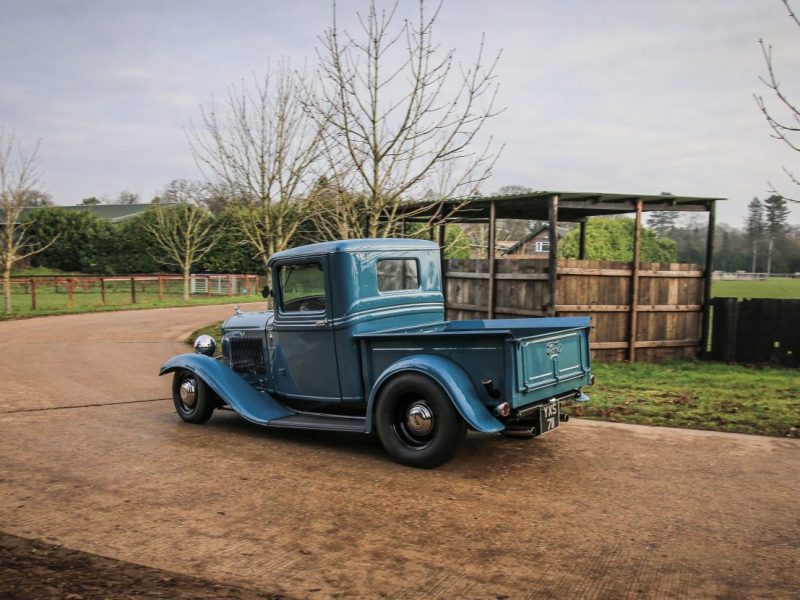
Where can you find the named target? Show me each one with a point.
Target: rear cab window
(397, 274)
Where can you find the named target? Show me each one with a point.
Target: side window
(302, 287)
(396, 274)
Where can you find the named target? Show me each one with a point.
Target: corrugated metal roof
(572, 206)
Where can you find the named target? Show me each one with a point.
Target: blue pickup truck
(358, 342)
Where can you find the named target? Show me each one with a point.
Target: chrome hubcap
(419, 419)
(188, 392)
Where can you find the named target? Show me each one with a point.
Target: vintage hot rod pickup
(358, 342)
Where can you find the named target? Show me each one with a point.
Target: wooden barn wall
(669, 311)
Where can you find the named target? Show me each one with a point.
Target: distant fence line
(60, 291)
(748, 275)
(761, 330)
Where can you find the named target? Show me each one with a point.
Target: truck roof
(360, 245)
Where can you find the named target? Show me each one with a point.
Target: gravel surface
(94, 459)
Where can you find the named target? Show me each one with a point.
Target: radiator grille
(247, 355)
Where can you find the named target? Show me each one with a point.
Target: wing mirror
(266, 292)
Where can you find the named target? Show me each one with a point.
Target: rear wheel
(417, 423)
(194, 401)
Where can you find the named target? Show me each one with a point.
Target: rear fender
(253, 405)
(452, 379)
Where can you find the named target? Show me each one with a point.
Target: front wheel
(417, 423)
(193, 399)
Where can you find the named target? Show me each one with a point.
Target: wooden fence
(761, 330)
(48, 293)
(665, 323)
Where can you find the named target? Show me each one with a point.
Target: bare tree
(125, 197)
(18, 178)
(784, 117)
(184, 191)
(184, 234)
(398, 113)
(262, 147)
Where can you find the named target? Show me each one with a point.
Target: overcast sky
(613, 96)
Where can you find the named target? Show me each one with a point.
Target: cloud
(613, 96)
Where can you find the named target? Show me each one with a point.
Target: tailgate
(547, 360)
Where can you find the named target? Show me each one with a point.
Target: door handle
(322, 323)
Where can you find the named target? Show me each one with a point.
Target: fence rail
(54, 292)
(664, 321)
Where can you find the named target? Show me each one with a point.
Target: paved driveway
(92, 456)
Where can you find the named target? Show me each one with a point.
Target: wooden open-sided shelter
(649, 311)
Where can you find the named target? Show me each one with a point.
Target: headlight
(205, 344)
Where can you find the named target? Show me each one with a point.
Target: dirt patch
(31, 569)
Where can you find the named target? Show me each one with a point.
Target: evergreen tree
(776, 213)
(754, 223)
(662, 222)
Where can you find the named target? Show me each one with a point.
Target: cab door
(301, 339)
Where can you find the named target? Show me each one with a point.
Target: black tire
(192, 408)
(416, 440)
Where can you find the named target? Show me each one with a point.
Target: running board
(324, 422)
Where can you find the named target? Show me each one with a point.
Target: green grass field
(52, 300)
(697, 395)
(776, 287)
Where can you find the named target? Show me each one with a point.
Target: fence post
(69, 292)
(208, 286)
(103, 290)
(160, 288)
(133, 290)
(33, 294)
(230, 285)
(256, 288)
(633, 321)
(707, 273)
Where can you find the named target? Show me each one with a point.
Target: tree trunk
(755, 257)
(186, 278)
(769, 256)
(7, 290)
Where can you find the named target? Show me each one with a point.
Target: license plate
(549, 417)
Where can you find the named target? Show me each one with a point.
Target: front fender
(255, 406)
(453, 380)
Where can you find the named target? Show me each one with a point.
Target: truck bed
(526, 360)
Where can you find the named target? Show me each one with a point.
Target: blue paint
(343, 349)
(452, 379)
(255, 406)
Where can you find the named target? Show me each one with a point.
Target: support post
(160, 287)
(103, 290)
(709, 269)
(133, 291)
(69, 292)
(208, 286)
(33, 294)
(637, 253)
(582, 241)
(442, 264)
(552, 263)
(491, 257)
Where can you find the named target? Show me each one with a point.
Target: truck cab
(358, 341)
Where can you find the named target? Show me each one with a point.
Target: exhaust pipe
(520, 431)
